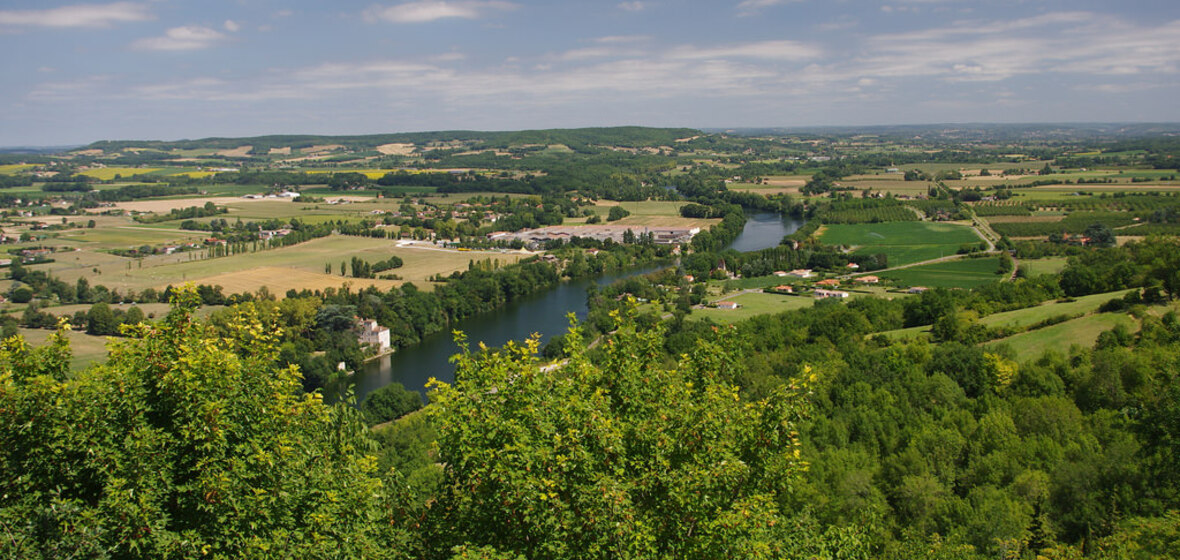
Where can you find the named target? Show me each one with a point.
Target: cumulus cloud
(78, 15)
(431, 10)
(186, 38)
(232, 26)
(633, 6)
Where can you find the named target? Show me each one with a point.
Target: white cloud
(432, 10)
(633, 6)
(186, 38)
(751, 7)
(231, 26)
(769, 50)
(79, 15)
(617, 39)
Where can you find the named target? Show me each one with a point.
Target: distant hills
(984, 132)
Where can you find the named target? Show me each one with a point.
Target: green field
(1021, 318)
(1050, 265)
(964, 273)
(1082, 331)
(751, 305)
(903, 242)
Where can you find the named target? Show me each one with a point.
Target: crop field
(130, 236)
(108, 173)
(1000, 208)
(869, 215)
(296, 267)
(15, 168)
(1082, 331)
(903, 242)
(963, 273)
(1074, 223)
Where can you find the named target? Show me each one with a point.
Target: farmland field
(15, 168)
(903, 242)
(963, 273)
(297, 267)
(108, 173)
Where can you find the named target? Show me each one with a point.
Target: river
(543, 313)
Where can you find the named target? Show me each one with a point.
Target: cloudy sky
(165, 69)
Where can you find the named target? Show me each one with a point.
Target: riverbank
(544, 313)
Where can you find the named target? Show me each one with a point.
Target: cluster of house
(536, 237)
(267, 234)
(284, 194)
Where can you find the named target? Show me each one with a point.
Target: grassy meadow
(753, 304)
(1082, 331)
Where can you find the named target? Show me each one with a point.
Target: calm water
(543, 313)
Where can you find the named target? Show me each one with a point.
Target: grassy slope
(1082, 331)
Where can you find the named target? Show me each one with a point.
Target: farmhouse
(785, 289)
(369, 332)
(727, 305)
(830, 282)
(801, 273)
(867, 279)
(825, 294)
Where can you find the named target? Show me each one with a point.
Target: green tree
(626, 459)
(389, 402)
(100, 320)
(617, 213)
(186, 444)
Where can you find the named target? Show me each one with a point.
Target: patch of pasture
(1049, 265)
(1082, 331)
(751, 305)
(85, 349)
(1029, 316)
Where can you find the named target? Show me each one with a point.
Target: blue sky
(165, 69)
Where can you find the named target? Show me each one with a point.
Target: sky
(73, 73)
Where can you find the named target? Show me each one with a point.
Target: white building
(369, 332)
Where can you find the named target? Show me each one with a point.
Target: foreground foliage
(184, 445)
(624, 459)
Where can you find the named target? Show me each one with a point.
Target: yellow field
(15, 168)
(108, 173)
(297, 267)
(197, 174)
(370, 173)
